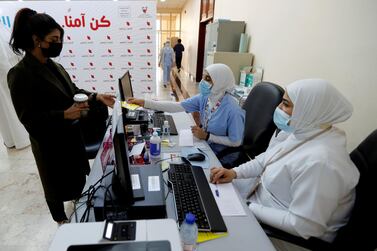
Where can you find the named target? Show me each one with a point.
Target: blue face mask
(205, 87)
(281, 120)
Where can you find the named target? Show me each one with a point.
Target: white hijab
(316, 104)
(223, 81)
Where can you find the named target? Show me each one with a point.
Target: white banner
(102, 40)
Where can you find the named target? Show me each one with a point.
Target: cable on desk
(75, 210)
(167, 194)
(104, 202)
(200, 150)
(89, 203)
(160, 160)
(103, 176)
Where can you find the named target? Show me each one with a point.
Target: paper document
(227, 200)
(137, 149)
(169, 158)
(186, 138)
(129, 106)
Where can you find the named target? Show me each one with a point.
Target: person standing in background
(11, 129)
(179, 49)
(166, 62)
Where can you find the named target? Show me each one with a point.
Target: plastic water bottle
(189, 233)
(155, 146)
(166, 130)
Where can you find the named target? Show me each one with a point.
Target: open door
(207, 10)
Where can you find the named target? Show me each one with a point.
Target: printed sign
(102, 40)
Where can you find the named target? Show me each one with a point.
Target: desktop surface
(243, 231)
(92, 233)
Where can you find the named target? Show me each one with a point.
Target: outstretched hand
(106, 99)
(136, 101)
(221, 175)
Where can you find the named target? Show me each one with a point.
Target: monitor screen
(121, 183)
(125, 87)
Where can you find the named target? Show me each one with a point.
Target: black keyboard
(158, 121)
(193, 194)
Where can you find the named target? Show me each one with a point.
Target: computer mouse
(196, 157)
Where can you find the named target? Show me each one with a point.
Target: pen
(217, 191)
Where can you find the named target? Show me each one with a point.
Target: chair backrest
(360, 231)
(259, 125)
(93, 128)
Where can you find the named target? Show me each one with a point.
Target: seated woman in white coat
(222, 119)
(306, 177)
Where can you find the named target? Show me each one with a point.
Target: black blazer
(40, 99)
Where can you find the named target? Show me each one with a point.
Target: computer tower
(107, 205)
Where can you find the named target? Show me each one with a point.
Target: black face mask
(53, 50)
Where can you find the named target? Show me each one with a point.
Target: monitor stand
(151, 207)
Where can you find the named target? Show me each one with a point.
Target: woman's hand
(198, 132)
(135, 101)
(221, 175)
(106, 99)
(73, 112)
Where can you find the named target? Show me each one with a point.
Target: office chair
(93, 128)
(259, 125)
(357, 233)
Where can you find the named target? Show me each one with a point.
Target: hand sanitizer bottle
(166, 130)
(155, 146)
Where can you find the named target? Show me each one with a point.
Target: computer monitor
(125, 87)
(126, 180)
(121, 182)
(136, 190)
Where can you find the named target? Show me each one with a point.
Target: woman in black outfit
(42, 94)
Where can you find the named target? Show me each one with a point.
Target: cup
(81, 101)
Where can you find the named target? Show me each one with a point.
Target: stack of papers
(186, 138)
(227, 200)
(129, 106)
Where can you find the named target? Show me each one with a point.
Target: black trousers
(178, 61)
(57, 210)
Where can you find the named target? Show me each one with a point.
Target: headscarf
(317, 104)
(223, 81)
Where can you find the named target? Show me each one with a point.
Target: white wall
(334, 40)
(190, 31)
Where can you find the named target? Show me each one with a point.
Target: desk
(91, 232)
(244, 232)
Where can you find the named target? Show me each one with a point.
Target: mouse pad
(188, 150)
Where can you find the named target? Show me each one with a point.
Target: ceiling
(171, 4)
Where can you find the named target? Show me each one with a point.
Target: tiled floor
(26, 224)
